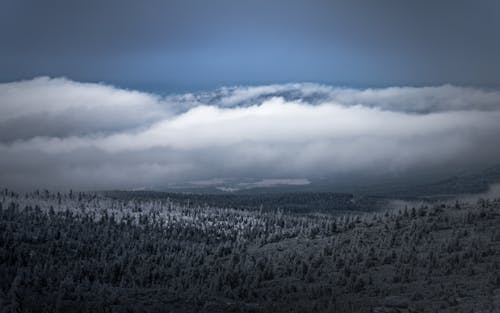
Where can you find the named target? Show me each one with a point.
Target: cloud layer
(58, 133)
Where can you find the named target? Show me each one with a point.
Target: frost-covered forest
(82, 252)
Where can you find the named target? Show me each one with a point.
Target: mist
(59, 134)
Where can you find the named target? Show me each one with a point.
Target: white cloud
(60, 107)
(120, 138)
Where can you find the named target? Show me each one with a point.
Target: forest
(293, 202)
(92, 252)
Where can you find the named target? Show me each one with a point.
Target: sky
(190, 45)
(145, 94)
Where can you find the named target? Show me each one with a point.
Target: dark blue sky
(186, 45)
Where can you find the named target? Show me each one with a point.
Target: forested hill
(88, 253)
(467, 183)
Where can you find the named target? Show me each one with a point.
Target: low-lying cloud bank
(58, 133)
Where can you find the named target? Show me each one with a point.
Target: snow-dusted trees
(90, 253)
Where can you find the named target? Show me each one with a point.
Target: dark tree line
(296, 202)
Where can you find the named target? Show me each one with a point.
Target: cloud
(58, 133)
(61, 107)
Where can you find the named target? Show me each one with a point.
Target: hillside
(90, 253)
(470, 183)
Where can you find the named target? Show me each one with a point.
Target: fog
(58, 133)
